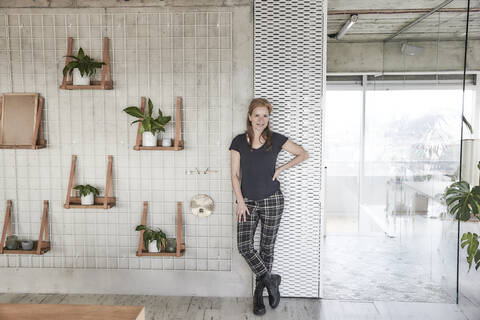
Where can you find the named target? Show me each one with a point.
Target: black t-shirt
(257, 166)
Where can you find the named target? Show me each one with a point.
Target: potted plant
(150, 125)
(153, 239)
(464, 203)
(82, 67)
(87, 194)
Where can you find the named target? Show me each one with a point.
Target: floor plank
(420, 310)
(213, 308)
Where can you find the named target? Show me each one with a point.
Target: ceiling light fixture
(350, 22)
(409, 50)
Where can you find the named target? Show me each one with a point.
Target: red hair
(267, 133)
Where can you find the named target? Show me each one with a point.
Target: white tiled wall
(159, 55)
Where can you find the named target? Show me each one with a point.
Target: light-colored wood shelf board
(94, 84)
(158, 148)
(160, 254)
(17, 146)
(45, 248)
(75, 202)
(164, 254)
(70, 312)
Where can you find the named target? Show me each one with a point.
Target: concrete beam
(120, 3)
(37, 3)
(379, 57)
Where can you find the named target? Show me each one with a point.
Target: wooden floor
(200, 308)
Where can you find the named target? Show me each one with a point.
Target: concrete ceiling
(379, 19)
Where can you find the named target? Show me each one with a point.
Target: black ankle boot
(272, 282)
(271, 301)
(258, 305)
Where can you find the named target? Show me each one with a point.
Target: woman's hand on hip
(242, 212)
(277, 173)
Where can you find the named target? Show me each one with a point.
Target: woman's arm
(235, 175)
(300, 155)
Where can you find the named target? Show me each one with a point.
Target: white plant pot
(149, 139)
(87, 200)
(152, 246)
(78, 80)
(166, 142)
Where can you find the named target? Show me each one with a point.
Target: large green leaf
(164, 120)
(147, 125)
(81, 190)
(81, 54)
(150, 107)
(461, 201)
(134, 112)
(156, 125)
(470, 240)
(140, 227)
(69, 67)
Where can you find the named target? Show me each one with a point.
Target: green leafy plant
(470, 240)
(464, 203)
(84, 64)
(152, 234)
(149, 123)
(86, 189)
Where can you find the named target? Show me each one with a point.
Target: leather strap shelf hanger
(180, 245)
(105, 83)
(105, 202)
(21, 121)
(177, 142)
(39, 247)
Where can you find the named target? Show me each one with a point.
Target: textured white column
(289, 50)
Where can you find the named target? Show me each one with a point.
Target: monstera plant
(463, 202)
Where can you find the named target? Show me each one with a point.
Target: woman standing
(257, 191)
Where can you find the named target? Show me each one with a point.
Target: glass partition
(392, 145)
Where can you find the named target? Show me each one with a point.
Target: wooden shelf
(159, 148)
(38, 141)
(75, 202)
(105, 83)
(94, 84)
(177, 142)
(105, 202)
(39, 247)
(45, 248)
(180, 245)
(22, 146)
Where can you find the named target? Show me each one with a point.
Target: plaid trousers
(269, 212)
